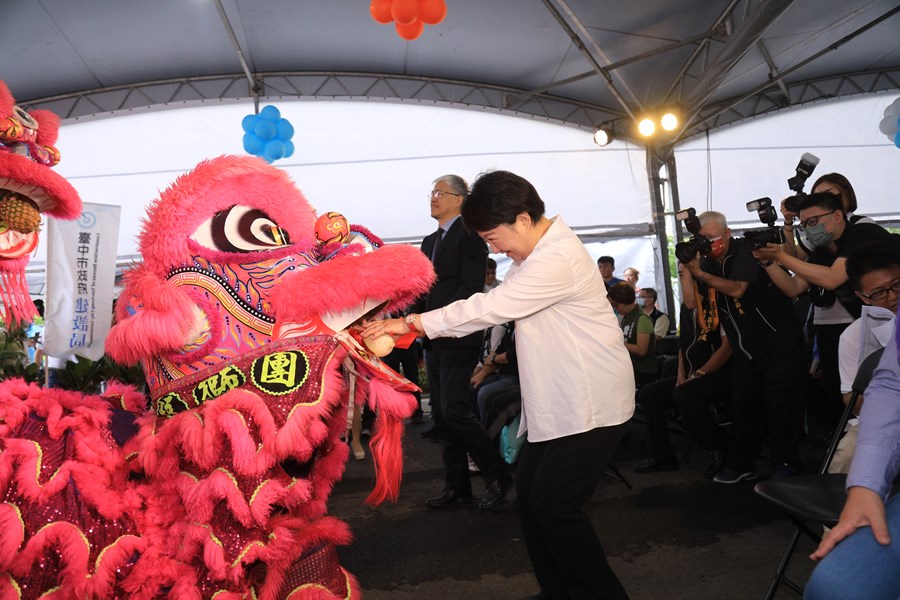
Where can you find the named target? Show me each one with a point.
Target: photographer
(834, 183)
(832, 237)
(768, 363)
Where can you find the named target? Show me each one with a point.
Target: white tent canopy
(738, 164)
(375, 162)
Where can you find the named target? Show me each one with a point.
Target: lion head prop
(28, 187)
(238, 315)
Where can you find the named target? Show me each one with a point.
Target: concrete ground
(674, 536)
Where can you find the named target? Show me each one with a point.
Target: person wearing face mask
(768, 363)
(646, 299)
(832, 238)
(834, 183)
(874, 273)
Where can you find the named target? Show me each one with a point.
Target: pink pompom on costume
(238, 316)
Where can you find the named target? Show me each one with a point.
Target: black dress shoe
(714, 462)
(448, 499)
(652, 465)
(494, 494)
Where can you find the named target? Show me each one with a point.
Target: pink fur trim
(12, 536)
(397, 273)
(7, 102)
(66, 539)
(59, 198)
(386, 444)
(125, 396)
(216, 185)
(48, 130)
(159, 326)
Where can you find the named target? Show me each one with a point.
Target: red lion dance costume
(238, 316)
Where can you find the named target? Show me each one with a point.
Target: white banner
(81, 271)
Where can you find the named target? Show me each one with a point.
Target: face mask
(818, 236)
(641, 302)
(717, 248)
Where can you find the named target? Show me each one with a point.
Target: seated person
(703, 379)
(483, 372)
(640, 339)
(646, 299)
(874, 274)
(504, 375)
(490, 276)
(859, 557)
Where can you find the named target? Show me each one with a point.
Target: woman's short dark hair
(622, 293)
(838, 180)
(497, 198)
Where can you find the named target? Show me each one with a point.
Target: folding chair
(818, 499)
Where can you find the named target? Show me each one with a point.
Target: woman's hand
(372, 329)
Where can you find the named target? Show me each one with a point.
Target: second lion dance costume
(238, 315)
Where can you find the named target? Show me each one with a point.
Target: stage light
(647, 127)
(603, 136)
(669, 121)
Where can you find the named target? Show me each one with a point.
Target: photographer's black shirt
(763, 318)
(855, 236)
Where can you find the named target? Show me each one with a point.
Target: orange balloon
(381, 11)
(405, 12)
(432, 12)
(411, 31)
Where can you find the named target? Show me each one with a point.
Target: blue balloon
(264, 130)
(275, 149)
(270, 113)
(288, 148)
(284, 130)
(253, 145)
(897, 139)
(249, 123)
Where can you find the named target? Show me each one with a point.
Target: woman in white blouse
(576, 377)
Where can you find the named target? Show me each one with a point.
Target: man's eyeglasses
(813, 220)
(438, 194)
(881, 293)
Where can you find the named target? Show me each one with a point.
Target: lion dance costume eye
(238, 315)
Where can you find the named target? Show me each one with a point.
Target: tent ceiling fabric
(577, 62)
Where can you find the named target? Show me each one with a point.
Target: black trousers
(449, 371)
(553, 480)
(693, 399)
(767, 397)
(408, 359)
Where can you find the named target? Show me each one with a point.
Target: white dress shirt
(574, 370)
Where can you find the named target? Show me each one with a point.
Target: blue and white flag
(81, 272)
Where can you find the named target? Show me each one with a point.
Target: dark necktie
(437, 243)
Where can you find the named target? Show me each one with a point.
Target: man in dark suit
(460, 261)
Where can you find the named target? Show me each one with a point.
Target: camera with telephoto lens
(807, 164)
(758, 238)
(686, 250)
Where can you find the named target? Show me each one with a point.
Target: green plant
(14, 358)
(85, 375)
(81, 375)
